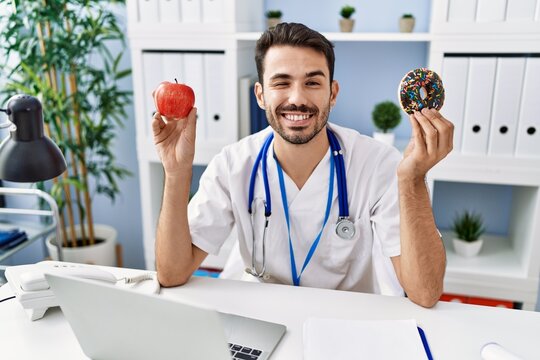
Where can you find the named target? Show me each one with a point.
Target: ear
(334, 88)
(258, 89)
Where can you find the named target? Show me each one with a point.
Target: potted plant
(468, 227)
(406, 23)
(273, 17)
(386, 116)
(346, 24)
(58, 51)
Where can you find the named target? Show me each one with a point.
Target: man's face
(297, 95)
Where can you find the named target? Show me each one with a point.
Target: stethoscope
(344, 227)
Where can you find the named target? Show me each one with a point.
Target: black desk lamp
(27, 155)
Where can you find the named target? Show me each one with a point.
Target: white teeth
(296, 117)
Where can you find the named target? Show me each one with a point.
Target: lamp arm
(54, 213)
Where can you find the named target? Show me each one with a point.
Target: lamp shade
(27, 155)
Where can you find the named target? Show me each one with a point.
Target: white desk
(454, 331)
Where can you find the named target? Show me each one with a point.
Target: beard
(297, 135)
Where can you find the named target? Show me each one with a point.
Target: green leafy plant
(407, 16)
(274, 14)
(347, 11)
(468, 226)
(57, 51)
(386, 116)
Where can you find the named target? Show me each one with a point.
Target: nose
(298, 95)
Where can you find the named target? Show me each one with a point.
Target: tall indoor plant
(57, 50)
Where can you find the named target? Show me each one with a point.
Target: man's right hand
(175, 141)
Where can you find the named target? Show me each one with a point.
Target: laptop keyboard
(240, 352)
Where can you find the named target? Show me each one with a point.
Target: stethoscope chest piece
(345, 229)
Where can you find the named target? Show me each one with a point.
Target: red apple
(174, 100)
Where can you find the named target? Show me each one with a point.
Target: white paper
(367, 339)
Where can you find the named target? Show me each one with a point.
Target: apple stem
(176, 80)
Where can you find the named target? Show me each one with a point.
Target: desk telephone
(33, 292)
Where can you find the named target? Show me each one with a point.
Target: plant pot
(387, 138)
(466, 248)
(406, 25)
(103, 253)
(346, 25)
(272, 22)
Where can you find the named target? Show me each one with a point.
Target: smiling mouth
(297, 117)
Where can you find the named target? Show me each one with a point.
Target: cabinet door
(504, 120)
(148, 11)
(152, 76)
(462, 11)
(173, 67)
(454, 76)
(478, 105)
(528, 137)
(520, 10)
(194, 77)
(191, 11)
(491, 10)
(169, 11)
(218, 128)
(213, 11)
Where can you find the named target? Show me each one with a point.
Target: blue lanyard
(295, 276)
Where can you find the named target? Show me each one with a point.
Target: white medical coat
(359, 264)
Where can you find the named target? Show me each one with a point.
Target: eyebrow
(287, 76)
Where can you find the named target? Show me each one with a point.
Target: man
(388, 201)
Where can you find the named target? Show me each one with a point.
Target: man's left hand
(431, 140)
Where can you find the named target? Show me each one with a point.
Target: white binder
(148, 11)
(213, 11)
(218, 128)
(462, 11)
(173, 67)
(520, 10)
(191, 11)
(454, 77)
(478, 105)
(152, 70)
(491, 10)
(506, 102)
(169, 11)
(194, 77)
(528, 137)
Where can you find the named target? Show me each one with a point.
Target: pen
(425, 343)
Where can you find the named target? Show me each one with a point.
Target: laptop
(113, 322)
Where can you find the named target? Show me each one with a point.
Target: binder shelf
(508, 265)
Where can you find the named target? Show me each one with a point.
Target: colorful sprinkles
(421, 88)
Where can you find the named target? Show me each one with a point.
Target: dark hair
(297, 35)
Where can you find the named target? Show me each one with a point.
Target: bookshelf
(509, 266)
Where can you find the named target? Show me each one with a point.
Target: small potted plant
(273, 17)
(468, 227)
(406, 23)
(346, 24)
(386, 116)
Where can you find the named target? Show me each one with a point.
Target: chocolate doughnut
(421, 88)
